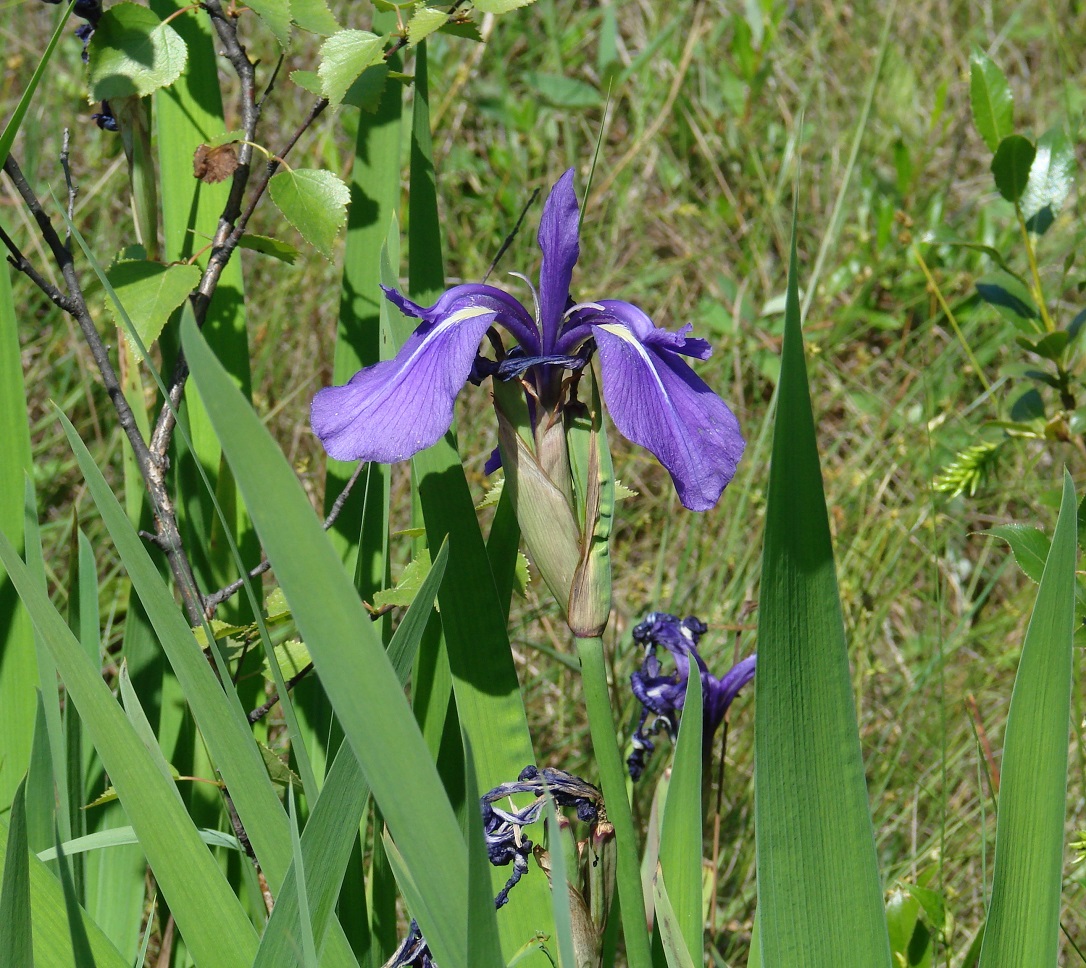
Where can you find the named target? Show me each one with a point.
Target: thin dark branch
(225, 244)
(512, 235)
(215, 599)
(151, 469)
(23, 265)
(261, 711)
(72, 190)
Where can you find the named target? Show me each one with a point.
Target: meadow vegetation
(710, 118)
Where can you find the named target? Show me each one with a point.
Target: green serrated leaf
(493, 495)
(344, 56)
(109, 794)
(149, 292)
(1011, 165)
(265, 245)
(468, 29)
(276, 16)
(424, 21)
(991, 98)
(407, 587)
(1029, 546)
(1050, 179)
(314, 202)
(522, 575)
(292, 657)
(220, 629)
(132, 53)
(275, 605)
(500, 6)
(308, 81)
(314, 16)
(281, 774)
(624, 493)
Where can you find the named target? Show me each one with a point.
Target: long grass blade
(18, 659)
(681, 829)
(333, 825)
(16, 930)
(52, 939)
(348, 656)
(818, 881)
(1024, 916)
(215, 928)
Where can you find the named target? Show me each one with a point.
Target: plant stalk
(613, 780)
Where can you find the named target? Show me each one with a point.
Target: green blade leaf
(20, 666)
(681, 830)
(1011, 165)
(133, 53)
(991, 98)
(332, 827)
(348, 656)
(1023, 918)
(16, 931)
(149, 292)
(52, 938)
(344, 56)
(818, 880)
(215, 927)
(314, 202)
(674, 943)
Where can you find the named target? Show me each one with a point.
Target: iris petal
(507, 310)
(657, 401)
(558, 238)
(394, 409)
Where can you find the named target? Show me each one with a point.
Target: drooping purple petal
(558, 238)
(657, 401)
(720, 693)
(506, 310)
(394, 409)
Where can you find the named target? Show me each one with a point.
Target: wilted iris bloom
(662, 695)
(506, 842)
(394, 409)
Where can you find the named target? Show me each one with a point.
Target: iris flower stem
(613, 779)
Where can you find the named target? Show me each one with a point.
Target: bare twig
(152, 468)
(262, 710)
(512, 235)
(215, 599)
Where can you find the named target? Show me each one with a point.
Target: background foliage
(711, 110)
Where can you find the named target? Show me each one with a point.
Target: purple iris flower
(393, 409)
(662, 696)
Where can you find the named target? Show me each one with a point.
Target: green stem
(1035, 272)
(613, 780)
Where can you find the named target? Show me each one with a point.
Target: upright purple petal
(394, 409)
(507, 311)
(659, 403)
(558, 238)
